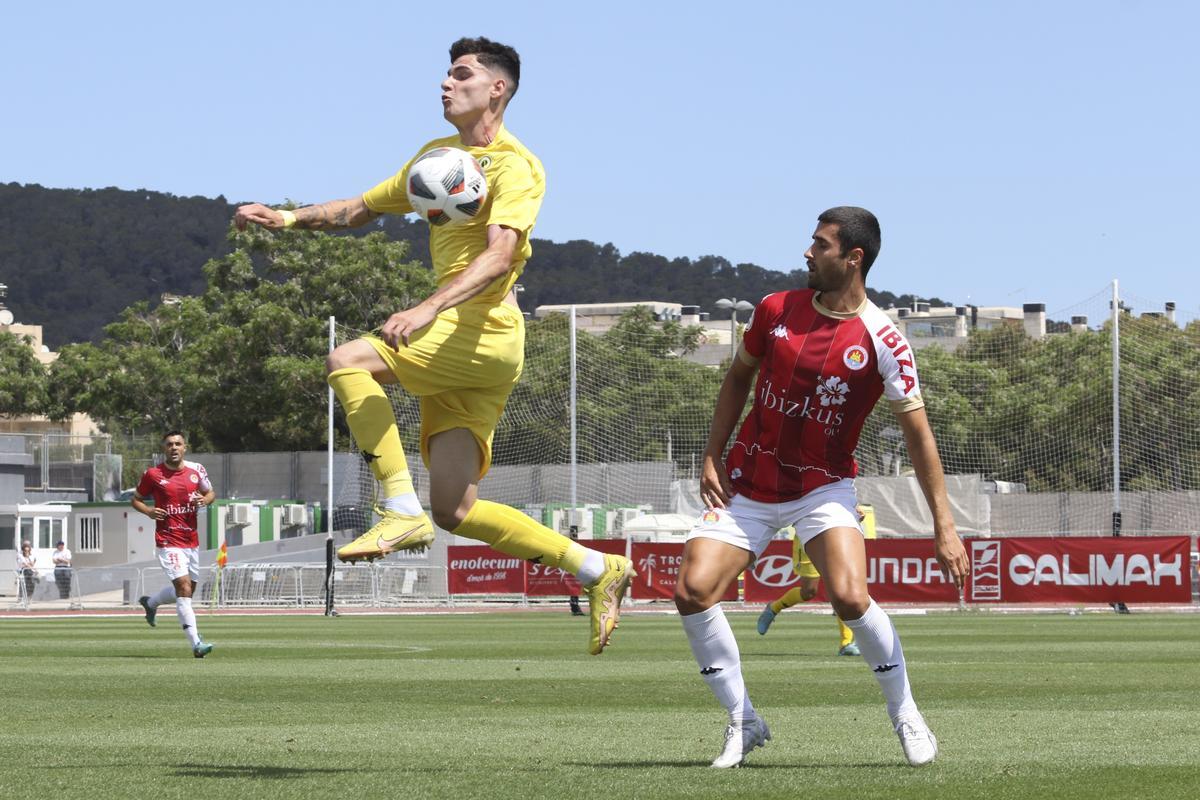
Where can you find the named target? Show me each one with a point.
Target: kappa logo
(779, 332)
(886, 667)
(777, 571)
(832, 391)
(855, 357)
(163, 481)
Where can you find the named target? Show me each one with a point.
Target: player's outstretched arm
(349, 213)
(715, 490)
(489, 265)
(922, 451)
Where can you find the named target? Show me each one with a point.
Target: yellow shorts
(463, 367)
(803, 566)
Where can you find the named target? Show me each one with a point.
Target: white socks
(165, 595)
(187, 619)
(716, 652)
(403, 504)
(880, 645)
(593, 565)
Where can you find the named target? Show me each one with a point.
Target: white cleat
(919, 743)
(740, 740)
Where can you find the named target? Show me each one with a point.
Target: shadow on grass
(751, 765)
(249, 771)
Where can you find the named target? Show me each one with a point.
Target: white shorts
(179, 561)
(751, 525)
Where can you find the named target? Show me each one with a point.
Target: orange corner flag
(222, 556)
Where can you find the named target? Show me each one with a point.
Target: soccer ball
(446, 185)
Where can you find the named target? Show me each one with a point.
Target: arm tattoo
(334, 214)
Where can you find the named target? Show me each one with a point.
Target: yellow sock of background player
(789, 599)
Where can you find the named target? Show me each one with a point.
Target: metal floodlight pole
(1118, 606)
(329, 573)
(1116, 409)
(329, 445)
(573, 415)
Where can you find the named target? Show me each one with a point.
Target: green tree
(241, 367)
(23, 380)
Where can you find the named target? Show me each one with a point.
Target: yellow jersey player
(461, 349)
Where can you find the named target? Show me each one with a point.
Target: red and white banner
(543, 581)
(478, 569)
(1129, 569)
(1142, 569)
(1101, 569)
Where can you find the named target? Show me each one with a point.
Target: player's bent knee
(692, 600)
(850, 603)
(338, 359)
(445, 519)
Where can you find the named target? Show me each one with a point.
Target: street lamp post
(734, 306)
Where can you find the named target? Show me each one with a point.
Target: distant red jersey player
(178, 488)
(823, 357)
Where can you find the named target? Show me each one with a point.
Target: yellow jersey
(516, 183)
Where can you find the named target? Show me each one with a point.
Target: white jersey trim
(894, 357)
(205, 485)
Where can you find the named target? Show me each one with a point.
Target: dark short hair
(169, 434)
(857, 227)
(492, 55)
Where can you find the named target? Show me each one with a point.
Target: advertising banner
(1099, 569)
(478, 569)
(1094, 569)
(543, 581)
(1102, 569)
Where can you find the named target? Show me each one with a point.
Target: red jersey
(820, 374)
(175, 490)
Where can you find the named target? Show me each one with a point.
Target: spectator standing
(62, 569)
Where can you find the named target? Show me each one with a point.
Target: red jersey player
(823, 357)
(178, 488)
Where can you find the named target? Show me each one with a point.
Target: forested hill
(73, 259)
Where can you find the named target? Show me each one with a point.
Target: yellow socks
(787, 601)
(847, 634)
(373, 423)
(511, 532)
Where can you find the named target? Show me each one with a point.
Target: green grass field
(501, 706)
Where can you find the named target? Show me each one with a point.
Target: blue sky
(1014, 151)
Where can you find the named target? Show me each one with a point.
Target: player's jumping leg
(454, 465)
(404, 525)
(708, 567)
